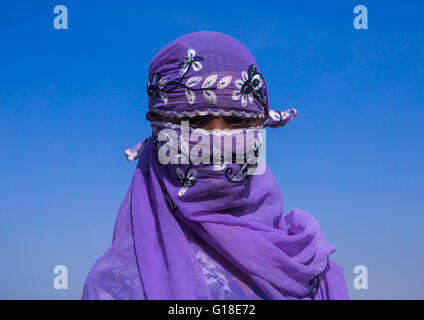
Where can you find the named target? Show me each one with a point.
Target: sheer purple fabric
(153, 257)
(200, 231)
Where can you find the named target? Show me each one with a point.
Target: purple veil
(239, 216)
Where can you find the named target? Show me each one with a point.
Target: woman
(190, 230)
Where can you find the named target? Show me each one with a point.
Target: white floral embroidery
(188, 180)
(209, 95)
(197, 65)
(193, 81)
(189, 94)
(163, 95)
(224, 82)
(209, 81)
(237, 94)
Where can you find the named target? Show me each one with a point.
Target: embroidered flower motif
(206, 87)
(163, 95)
(224, 82)
(190, 61)
(209, 95)
(246, 170)
(243, 174)
(191, 82)
(187, 180)
(250, 86)
(155, 86)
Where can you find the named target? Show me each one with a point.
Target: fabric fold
(282, 256)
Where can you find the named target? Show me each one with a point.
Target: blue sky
(72, 100)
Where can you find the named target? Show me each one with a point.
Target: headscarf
(239, 214)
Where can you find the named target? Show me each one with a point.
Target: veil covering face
(175, 216)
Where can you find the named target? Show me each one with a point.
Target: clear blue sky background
(72, 100)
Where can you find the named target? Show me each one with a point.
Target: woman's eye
(198, 122)
(236, 122)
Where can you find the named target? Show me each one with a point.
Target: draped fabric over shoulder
(211, 231)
